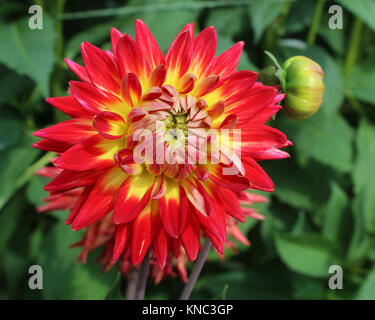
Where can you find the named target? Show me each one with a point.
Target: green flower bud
(304, 87)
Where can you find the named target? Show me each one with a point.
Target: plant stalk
(354, 42)
(132, 284)
(198, 266)
(142, 278)
(315, 22)
(152, 8)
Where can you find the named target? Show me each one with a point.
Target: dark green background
(323, 209)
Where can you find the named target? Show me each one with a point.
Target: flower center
(177, 121)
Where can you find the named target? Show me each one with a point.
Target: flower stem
(185, 295)
(142, 278)
(315, 23)
(132, 284)
(353, 52)
(153, 8)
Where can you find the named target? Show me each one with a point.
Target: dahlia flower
(162, 146)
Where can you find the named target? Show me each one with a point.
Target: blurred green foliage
(323, 209)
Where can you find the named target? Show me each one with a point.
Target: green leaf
(9, 219)
(298, 186)
(361, 82)
(27, 51)
(309, 254)
(306, 287)
(334, 213)
(15, 266)
(364, 9)
(265, 282)
(58, 260)
(11, 84)
(227, 21)
(114, 292)
(299, 16)
(35, 192)
(88, 282)
(13, 163)
(262, 14)
(367, 290)
(325, 139)
(10, 130)
(364, 174)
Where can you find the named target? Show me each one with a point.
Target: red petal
(160, 246)
(91, 98)
(179, 55)
(190, 236)
(152, 94)
(148, 46)
(94, 153)
(206, 85)
(70, 132)
(131, 89)
(68, 105)
(217, 109)
(101, 199)
(110, 125)
(229, 122)
(101, 68)
(136, 114)
(197, 197)
(129, 57)
(133, 197)
(121, 238)
(186, 83)
(145, 228)
(204, 49)
(80, 202)
(257, 138)
(257, 176)
(158, 75)
(231, 182)
(67, 180)
(271, 154)
(227, 62)
(51, 145)
(252, 104)
(78, 70)
(116, 35)
(171, 213)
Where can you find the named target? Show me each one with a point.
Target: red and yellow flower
(123, 98)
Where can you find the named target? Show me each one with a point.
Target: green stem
(198, 266)
(25, 177)
(353, 50)
(315, 23)
(59, 9)
(152, 8)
